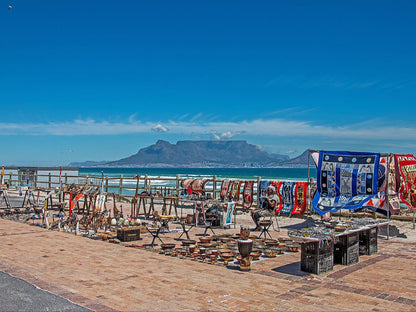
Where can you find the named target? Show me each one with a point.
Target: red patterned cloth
(301, 192)
(198, 186)
(294, 199)
(407, 169)
(248, 194)
(234, 194)
(224, 189)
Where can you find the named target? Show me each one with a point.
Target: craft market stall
(336, 242)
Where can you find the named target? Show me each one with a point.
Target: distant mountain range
(202, 154)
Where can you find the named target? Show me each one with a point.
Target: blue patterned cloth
(262, 191)
(287, 192)
(345, 180)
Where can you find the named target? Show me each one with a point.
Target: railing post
(145, 183)
(66, 178)
(214, 186)
(49, 181)
(177, 185)
(106, 184)
(120, 185)
(35, 180)
(258, 190)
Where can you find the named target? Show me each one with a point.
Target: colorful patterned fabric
(378, 203)
(262, 191)
(292, 197)
(346, 180)
(185, 183)
(300, 197)
(407, 168)
(234, 194)
(248, 194)
(286, 193)
(198, 186)
(393, 188)
(229, 214)
(224, 189)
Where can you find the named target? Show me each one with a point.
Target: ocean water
(169, 175)
(291, 174)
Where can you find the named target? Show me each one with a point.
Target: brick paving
(110, 277)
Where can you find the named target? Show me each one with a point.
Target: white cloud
(218, 130)
(225, 135)
(159, 128)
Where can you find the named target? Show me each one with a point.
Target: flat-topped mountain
(200, 154)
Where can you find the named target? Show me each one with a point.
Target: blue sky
(98, 80)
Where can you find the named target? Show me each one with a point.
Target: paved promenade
(111, 277)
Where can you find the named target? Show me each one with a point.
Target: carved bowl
(255, 255)
(167, 246)
(205, 239)
(270, 253)
(188, 242)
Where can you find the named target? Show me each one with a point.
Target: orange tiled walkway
(106, 277)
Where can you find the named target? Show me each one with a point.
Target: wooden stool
(265, 224)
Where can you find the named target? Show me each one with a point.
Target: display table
(368, 241)
(322, 248)
(141, 202)
(172, 201)
(317, 256)
(346, 250)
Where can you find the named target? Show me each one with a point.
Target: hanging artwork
(234, 193)
(262, 191)
(286, 194)
(385, 186)
(186, 185)
(292, 197)
(300, 198)
(345, 180)
(229, 214)
(248, 194)
(224, 189)
(198, 186)
(407, 168)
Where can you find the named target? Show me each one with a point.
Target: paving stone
(109, 277)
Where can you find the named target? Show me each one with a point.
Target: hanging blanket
(224, 189)
(287, 197)
(378, 203)
(186, 185)
(234, 194)
(301, 193)
(407, 169)
(198, 186)
(346, 180)
(262, 191)
(229, 214)
(292, 196)
(248, 194)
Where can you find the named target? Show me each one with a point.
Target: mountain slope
(200, 154)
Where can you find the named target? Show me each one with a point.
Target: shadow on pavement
(291, 269)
